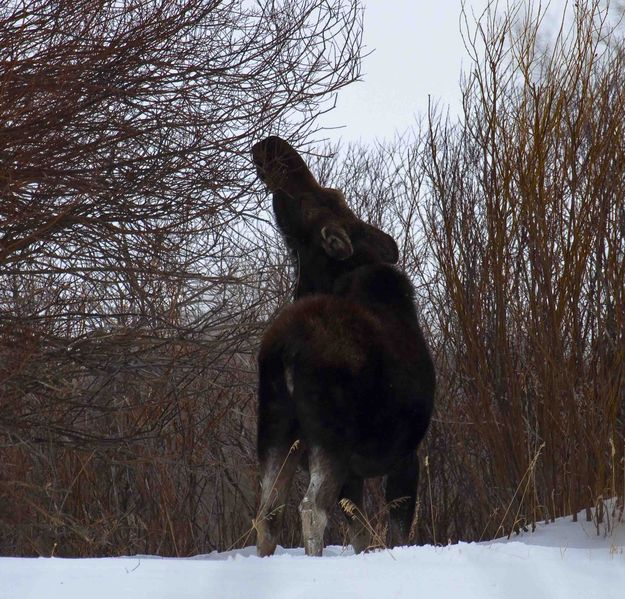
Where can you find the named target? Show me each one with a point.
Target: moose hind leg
(326, 479)
(401, 495)
(353, 509)
(277, 470)
(278, 453)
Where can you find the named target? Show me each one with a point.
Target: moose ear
(280, 166)
(380, 244)
(336, 242)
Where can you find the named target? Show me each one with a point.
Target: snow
(565, 560)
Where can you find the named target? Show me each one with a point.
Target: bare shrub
(135, 271)
(525, 218)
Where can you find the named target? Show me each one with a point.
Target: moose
(346, 380)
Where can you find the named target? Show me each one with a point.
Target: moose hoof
(312, 543)
(360, 540)
(266, 543)
(312, 530)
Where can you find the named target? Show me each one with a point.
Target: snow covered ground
(562, 560)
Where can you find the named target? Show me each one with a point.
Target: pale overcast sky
(417, 50)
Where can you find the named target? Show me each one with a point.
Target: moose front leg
(353, 509)
(401, 495)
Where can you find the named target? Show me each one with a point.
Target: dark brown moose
(346, 378)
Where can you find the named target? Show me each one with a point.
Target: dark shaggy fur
(346, 372)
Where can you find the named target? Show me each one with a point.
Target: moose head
(325, 238)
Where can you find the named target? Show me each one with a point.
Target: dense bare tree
(131, 271)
